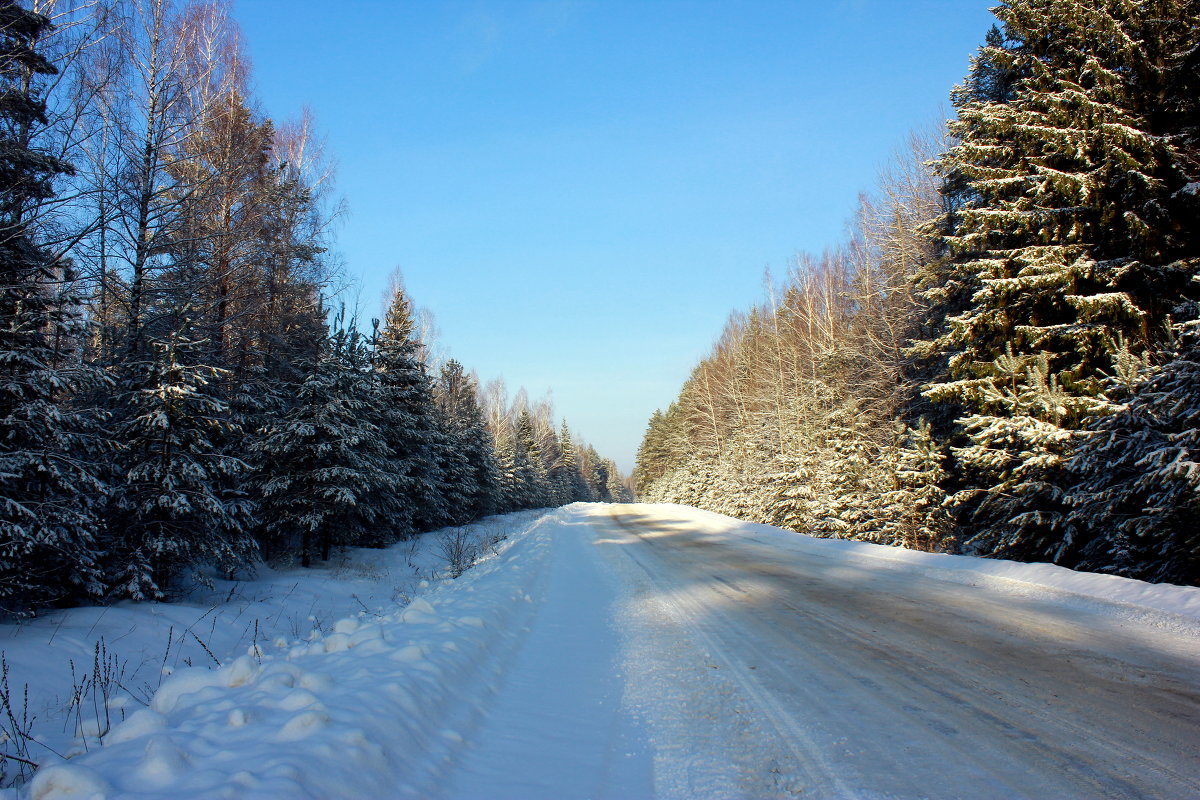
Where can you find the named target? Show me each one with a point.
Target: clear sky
(581, 192)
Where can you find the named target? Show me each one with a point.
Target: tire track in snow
(818, 773)
(933, 678)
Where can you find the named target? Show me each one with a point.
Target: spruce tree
(325, 460)
(1069, 230)
(268, 394)
(455, 476)
(532, 478)
(787, 491)
(911, 510)
(1136, 498)
(50, 492)
(652, 457)
(942, 289)
(458, 401)
(597, 476)
(848, 470)
(512, 492)
(556, 477)
(616, 488)
(172, 508)
(410, 428)
(575, 487)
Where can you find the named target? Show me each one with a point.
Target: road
(650, 651)
(674, 659)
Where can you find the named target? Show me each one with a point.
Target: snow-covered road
(758, 664)
(783, 666)
(659, 651)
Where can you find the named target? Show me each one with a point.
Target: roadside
(76, 675)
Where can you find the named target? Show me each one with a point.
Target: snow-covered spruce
(51, 490)
(1064, 234)
(1136, 502)
(170, 509)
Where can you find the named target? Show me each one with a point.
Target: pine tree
(1069, 232)
(50, 492)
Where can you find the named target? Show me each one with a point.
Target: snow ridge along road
(659, 651)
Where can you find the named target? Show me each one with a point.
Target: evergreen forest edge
(1004, 358)
(178, 395)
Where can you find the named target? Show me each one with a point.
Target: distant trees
(1002, 348)
(792, 420)
(174, 398)
(538, 465)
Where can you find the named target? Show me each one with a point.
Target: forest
(1003, 358)
(183, 394)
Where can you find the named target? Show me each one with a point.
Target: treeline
(1004, 359)
(174, 396)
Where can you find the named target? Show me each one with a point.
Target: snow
(644, 651)
(771, 664)
(1164, 605)
(160, 652)
(557, 728)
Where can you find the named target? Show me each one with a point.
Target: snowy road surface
(753, 669)
(657, 651)
(842, 678)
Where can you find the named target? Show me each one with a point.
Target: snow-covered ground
(53, 658)
(640, 651)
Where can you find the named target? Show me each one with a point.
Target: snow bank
(1162, 605)
(364, 706)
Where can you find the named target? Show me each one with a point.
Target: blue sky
(581, 192)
